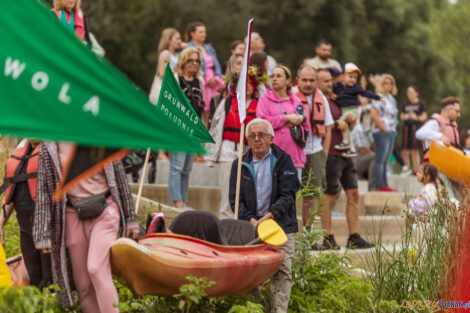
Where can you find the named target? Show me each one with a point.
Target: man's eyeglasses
(259, 135)
(193, 61)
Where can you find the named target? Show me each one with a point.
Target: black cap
(334, 71)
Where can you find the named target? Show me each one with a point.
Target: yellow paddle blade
(5, 277)
(271, 233)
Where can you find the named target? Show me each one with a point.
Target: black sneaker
(355, 241)
(349, 154)
(344, 145)
(329, 243)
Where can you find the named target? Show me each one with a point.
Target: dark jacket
(285, 185)
(347, 96)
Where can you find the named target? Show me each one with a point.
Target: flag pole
(241, 101)
(142, 178)
(239, 170)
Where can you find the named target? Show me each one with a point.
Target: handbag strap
(281, 107)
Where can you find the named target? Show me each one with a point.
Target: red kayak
(160, 263)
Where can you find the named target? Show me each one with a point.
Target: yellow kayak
(5, 277)
(451, 162)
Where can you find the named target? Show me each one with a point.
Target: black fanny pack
(90, 207)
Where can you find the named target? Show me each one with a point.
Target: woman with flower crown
(225, 129)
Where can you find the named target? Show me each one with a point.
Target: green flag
(53, 87)
(174, 104)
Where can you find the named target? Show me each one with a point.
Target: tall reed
(417, 267)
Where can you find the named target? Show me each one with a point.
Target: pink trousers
(89, 243)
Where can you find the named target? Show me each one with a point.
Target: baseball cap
(351, 67)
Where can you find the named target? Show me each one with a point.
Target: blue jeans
(384, 143)
(180, 167)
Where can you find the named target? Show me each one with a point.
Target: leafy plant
(416, 267)
(28, 300)
(323, 283)
(190, 299)
(12, 237)
(191, 294)
(248, 307)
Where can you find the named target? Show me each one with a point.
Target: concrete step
(203, 175)
(374, 203)
(199, 198)
(390, 228)
(358, 258)
(207, 198)
(407, 185)
(147, 206)
(369, 227)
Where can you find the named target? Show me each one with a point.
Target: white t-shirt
(314, 142)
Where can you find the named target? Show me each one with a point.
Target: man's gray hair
(257, 121)
(253, 34)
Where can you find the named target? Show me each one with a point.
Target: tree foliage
(451, 31)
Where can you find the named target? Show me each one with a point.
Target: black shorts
(339, 169)
(409, 137)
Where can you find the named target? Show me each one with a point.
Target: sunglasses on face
(196, 61)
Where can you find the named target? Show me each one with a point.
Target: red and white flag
(241, 85)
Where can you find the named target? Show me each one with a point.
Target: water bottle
(300, 109)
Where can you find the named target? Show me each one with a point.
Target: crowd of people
(335, 124)
(325, 125)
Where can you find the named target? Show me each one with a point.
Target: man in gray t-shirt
(322, 59)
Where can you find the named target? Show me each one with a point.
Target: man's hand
(212, 83)
(445, 140)
(365, 151)
(294, 119)
(341, 125)
(132, 233)
(350, 118)
(383, 100)
(254, 222)
(268, 216)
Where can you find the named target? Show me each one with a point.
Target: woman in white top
(384, 117)
(168, 47)
(170, 43)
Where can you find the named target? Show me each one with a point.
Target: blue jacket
(285, 185)
(210, 49)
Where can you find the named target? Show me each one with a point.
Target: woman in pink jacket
(283, 110)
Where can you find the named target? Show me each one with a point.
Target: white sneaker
(405, 171)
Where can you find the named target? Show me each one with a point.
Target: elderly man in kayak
(268, 186)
